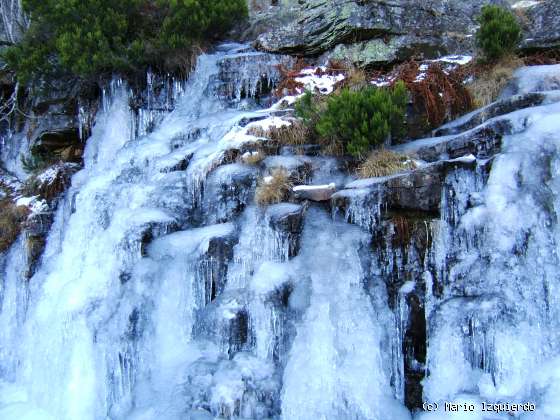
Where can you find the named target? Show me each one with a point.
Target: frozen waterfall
(165, 293)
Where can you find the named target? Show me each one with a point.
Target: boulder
(375, 32)
(391, 49)
(286, 217)
(314, 192)
(542, 24)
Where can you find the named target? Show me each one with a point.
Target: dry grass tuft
(331, 147)
(257, 131)
(491, 79)
(356, 79)
(11, 219)
(384, 163)
(274, 188)
(295, 134)
(253, 158)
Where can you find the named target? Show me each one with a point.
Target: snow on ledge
(324, 83)
(330, 186)
(460, 60)
(524, 4)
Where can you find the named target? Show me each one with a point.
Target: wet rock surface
(417, 190)
(287, 220)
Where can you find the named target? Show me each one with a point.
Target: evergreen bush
(360, 120)
(306, 108)
(87, 38)
(499, 32)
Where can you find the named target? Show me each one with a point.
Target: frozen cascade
(164, 292)
(341, 335)
(101, 332)
(494, 327)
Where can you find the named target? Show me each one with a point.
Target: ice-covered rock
(314, 192)
(142, 306)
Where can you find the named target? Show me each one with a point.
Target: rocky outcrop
(542, 24)
(376, 32)
(215, 263)
(228, 191)
(28, 209)
(496, 109)
(418, 190)
(299, 168)
(250, 74)
(481, 142)
(54, 130)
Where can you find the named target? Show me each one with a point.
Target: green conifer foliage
(499, 32)
(86, 38)
(364, 119)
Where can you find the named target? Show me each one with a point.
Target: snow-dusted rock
(314, 192)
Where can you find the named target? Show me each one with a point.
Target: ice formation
(164, 293)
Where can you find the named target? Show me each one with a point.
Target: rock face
(287, 221)
(411, 216)
(376, 32)
(542, 21)
(57, 129)
(419, 190)
(494, 110)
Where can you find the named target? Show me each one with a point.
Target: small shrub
(307, 107)
(384, 163)
(499, 32)
(489, 80)
(11, 218)
(274, 188)
(362, 119)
